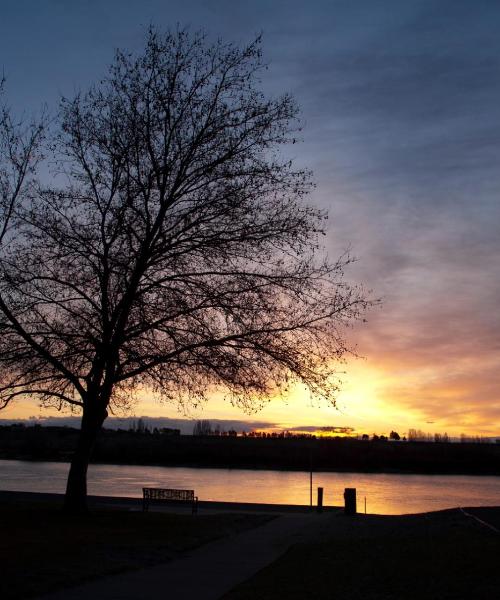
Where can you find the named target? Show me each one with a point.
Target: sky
(401, 110)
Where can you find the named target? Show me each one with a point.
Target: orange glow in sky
(373, 399)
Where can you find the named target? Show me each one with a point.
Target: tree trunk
(75, 500)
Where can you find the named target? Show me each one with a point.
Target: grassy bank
(443, 555)
(42, 549)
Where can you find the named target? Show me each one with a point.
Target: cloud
(401, 107)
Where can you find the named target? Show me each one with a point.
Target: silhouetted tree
(394, 435)
(175, 252)
(20, 153)
(140, 426)
(202, 427)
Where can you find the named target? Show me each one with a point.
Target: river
(384, 493)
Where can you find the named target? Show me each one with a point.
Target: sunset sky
(401, 108)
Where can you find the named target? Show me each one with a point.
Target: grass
(42, 549)
(442, 555)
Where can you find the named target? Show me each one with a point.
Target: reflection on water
(385, 494)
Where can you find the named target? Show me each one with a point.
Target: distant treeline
(334, 454)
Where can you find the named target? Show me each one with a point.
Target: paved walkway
(209, 571)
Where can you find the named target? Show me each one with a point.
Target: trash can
(350, 501)
(320, 499)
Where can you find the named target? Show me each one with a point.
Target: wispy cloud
(401, 106)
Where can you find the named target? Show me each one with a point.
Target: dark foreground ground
(42, 550)
(441, 555)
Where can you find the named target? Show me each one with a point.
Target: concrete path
(209, 571)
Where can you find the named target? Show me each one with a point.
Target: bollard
(320, 499)
(350, 501)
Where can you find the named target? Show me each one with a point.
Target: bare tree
(202, 427)
(177, 252)
(20, 153)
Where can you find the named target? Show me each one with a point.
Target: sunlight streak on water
(385, 493)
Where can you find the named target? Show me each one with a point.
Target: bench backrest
(167, 494)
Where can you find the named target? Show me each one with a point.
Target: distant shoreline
(336, 455)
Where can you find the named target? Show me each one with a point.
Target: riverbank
(44, 550)
(135, 504)
(446, 554)
(450, 555)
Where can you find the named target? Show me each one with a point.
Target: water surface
(384, 493)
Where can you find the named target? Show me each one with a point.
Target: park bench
(168, 495)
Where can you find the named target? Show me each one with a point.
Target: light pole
(310, 476)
